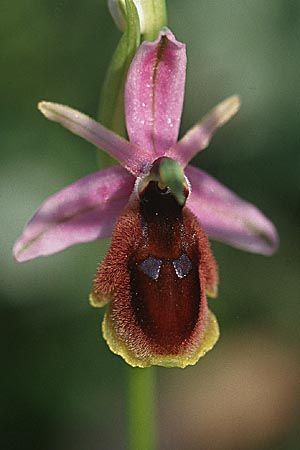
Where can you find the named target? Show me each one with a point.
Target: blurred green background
(61, 388)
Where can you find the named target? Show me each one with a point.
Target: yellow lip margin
(118, 347)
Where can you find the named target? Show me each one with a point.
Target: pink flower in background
(89, 208)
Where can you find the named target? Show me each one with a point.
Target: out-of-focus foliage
(61, 388)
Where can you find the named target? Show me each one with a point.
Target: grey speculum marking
(151, 266)
(182, 266)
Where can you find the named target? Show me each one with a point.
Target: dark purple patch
(164, 275)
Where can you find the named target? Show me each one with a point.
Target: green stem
(141, 409)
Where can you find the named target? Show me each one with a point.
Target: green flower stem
(141, 409)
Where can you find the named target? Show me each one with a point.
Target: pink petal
(228, 218)
(198, 137)
(154, 93)
(84, 211)
(134, 159)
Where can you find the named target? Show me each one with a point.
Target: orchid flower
(159, 211)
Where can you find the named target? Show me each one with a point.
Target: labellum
(156, 274)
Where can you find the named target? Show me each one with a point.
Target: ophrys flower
(159, 267)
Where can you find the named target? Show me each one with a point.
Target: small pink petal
(198, 137)
(134, 159)
(154, 93)
(83, 211)
(228, 218)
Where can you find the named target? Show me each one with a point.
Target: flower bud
(152, 15)
(117, 10)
